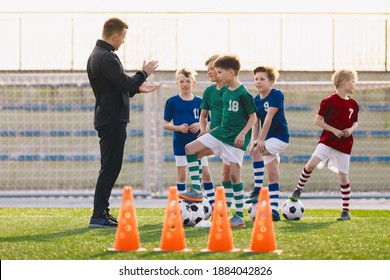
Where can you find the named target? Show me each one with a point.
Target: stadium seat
(360, 158)
(300, 158)
(380, 133)
(133, 158)
(60, 133)
(28, 158)
(55, 158)
(301, 133)
(34, 133)
(85, 157)
(298, 108)
(136, 132)
(8, 132)
(86, 132)
(4, 157)
(382, 159)
(379, 107)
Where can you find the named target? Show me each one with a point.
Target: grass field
(62, 234)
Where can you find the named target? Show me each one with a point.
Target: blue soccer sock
(210, 193)
(274, 196)
(181, 187)
(258, 171)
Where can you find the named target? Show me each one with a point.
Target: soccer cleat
(192, 195)
(237, 221)
(296, 194)
(344, 216)
(275, 216)
(109, 216)
(102, 222)
(253, 198)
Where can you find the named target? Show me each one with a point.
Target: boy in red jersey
(338, 117)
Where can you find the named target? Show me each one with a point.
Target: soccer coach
(112, 89)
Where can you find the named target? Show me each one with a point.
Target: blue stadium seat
(380, 133)
(137, 107)
(85, 157)
(55, 158)
(28, 158)
(301, 133)
(300, 158)
(87, 107)
(168, 133)
(380, 107)
(60, 133)
(169, 158)
(360, 133)
(382, 159)
(86, 132)
(4, 157)
(360, 158)
(298, 108)
(34, 133)
(8, 132)
(62, 107)
(134, 158)
(136, 132)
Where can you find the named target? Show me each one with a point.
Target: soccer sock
(274, 196)
(193, 167)
(345, 196)
(209, 190)
(258, 171)
(305, 175)
(239, 199)
(181, 187)
(200, 172)
(228, 193)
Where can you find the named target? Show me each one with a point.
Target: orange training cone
(172, 237)
(220, 236)
(263, 235)
(127, 235)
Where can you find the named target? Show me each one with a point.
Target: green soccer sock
(239, 199)
(193, 167)
(228, 193)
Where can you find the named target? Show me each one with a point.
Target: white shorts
(182, 161)
(274, 146)
(226, 152)
(337, 161)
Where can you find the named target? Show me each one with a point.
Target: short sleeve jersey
(237, 106)
(341, 114)
(213, 101)
(278, 128)
(181, 112)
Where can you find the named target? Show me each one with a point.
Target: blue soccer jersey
(278, 127)
(181, 112)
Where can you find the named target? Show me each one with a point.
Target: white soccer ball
(197, 213)
(186, 213)
(208, 210)
(292, 210)
(252, 210)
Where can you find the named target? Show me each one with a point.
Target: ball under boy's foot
(192, 195)
(344, 216)
(237, 221)
(296, 194)
(253, 198)
(275, 216)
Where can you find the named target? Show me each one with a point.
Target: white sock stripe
(345, 190)
(192, 164)
(258, 170)
(196, 182)
(194, 173)
(259, 177)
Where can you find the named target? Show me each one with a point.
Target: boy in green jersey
(212, 102)
(230, 139)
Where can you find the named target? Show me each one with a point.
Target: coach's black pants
(112, 144)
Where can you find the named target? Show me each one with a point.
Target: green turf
(31, 234)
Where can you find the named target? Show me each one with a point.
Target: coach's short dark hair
(228, 62)
(113, 25)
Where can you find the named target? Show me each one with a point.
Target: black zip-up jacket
(111, 86)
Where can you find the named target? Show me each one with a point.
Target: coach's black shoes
(253, 197)
(104, 221)
(192, 195)
(296, 194)
(344, 216)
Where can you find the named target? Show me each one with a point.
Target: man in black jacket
(112, 89)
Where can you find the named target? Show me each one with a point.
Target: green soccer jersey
(213, 102)
(237, 106)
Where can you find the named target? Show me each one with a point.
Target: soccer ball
(186, 213)
(252, 210)
(208, 210)
(197, 213)
(292, 210)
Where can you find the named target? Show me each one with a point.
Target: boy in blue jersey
(184, 110)
(269, 137)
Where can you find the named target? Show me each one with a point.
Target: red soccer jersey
(341, 114)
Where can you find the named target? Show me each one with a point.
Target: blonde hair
(271, 72)
(342, 75)
(188, 73)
